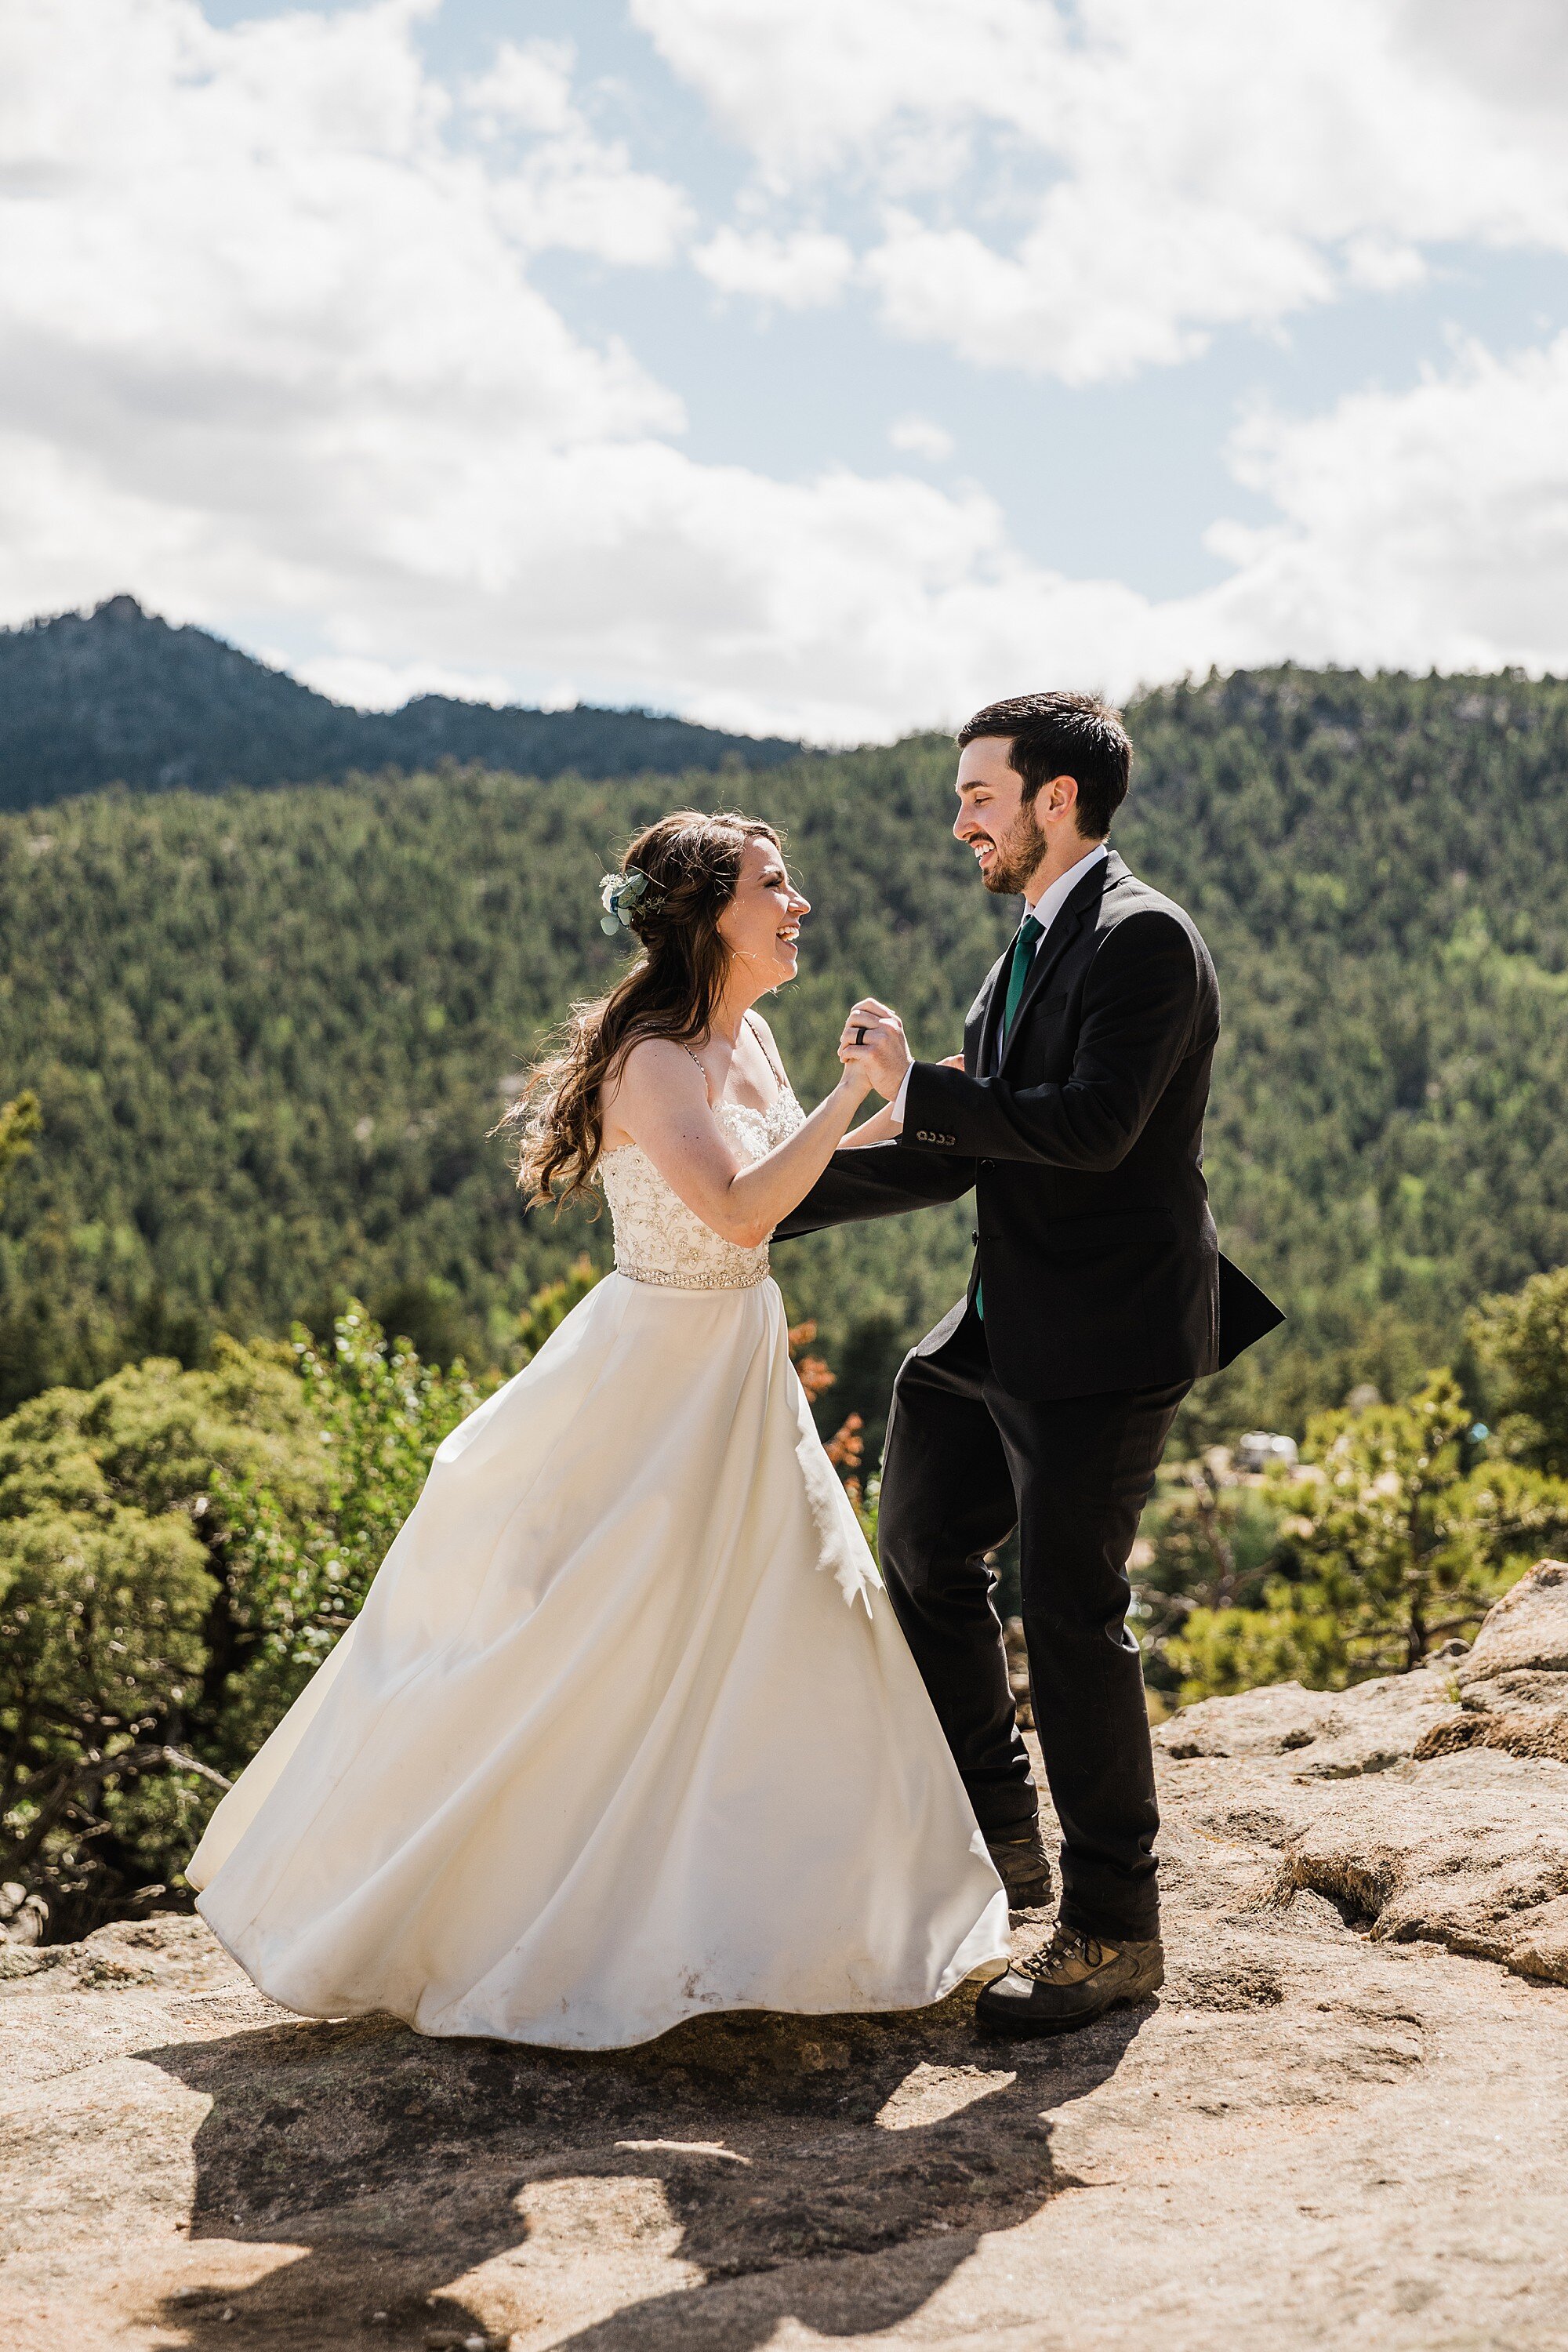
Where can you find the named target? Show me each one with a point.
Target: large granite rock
(1327, 1735)
(1345, 2120)
(1465, 1839)
(1467, 1850)
(1513, 1686)
(1510, 1691)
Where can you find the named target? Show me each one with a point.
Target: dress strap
(764, 1042)
(701, 1073)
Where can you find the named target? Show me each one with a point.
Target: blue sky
(795, 367)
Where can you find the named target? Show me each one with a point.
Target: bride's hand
(875, 1030)
(854, 1080)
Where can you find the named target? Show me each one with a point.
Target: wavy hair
(693, 864)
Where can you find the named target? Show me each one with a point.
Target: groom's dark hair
(1061, 734)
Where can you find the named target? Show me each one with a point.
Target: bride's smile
(761, 925)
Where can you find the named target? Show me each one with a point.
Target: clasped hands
(873, 1040)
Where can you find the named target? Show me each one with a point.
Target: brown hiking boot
(1074, 1980)
(1023, 1868)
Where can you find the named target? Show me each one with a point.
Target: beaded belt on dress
(732, 1281)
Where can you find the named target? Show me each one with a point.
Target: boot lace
(1069, 1957)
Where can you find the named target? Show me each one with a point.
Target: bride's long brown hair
(693, 864)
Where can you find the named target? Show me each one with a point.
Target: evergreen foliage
(1404, 1523)
(19, 1122)
(1523, 1345)
(269, 1034)
(252, 1045)
(119, 696)
(1391, 1540)
(178, 1551)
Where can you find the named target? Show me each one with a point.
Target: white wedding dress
(626, 1730)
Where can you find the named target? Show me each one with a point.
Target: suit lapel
(1082, 903)
(993, 991)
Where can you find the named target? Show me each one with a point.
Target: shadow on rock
(741, 2170)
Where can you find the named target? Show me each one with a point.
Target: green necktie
(1017, 974)
(1023, 956)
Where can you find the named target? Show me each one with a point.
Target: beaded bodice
(659, 1238)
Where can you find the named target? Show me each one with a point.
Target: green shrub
(1523, 1340)
(178, 1551)
(1391, 1542)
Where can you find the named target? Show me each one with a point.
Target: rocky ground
(1345, 2120)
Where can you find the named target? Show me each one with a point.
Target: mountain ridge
(119, 695)
(270, 1031)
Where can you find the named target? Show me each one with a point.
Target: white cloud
(526, 87)
(571, 190)
(1382, 265)
(1416, 528)
(920, 436)
(1153, 170)
(1094, 293)
(797, 272)
(811, 84)
(371, 684)
(266, 226)
(275, 362)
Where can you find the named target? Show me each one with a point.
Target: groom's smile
(992, 820)
(1018, 833)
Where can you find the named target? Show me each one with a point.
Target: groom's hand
(874, 1037)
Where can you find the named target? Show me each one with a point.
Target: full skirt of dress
(626, 1731)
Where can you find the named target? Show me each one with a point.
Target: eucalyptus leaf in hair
(621, 894)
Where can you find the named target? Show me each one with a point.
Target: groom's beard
(1018, 856)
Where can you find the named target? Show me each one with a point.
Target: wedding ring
(860, 1033)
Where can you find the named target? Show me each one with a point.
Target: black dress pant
(966, 1463)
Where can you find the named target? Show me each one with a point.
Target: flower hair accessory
(622, 896)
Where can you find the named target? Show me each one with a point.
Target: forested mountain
(270, 1031)
(119, 696)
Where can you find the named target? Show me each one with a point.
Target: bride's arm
(877, 1130)
(662, 1104)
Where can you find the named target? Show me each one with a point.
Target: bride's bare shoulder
(656, 1072)
(659, 1062)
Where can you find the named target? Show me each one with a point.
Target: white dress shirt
(1044, 909)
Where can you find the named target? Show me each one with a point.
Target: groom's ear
(1056, 802)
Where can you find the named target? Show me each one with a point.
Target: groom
(1044, 1399)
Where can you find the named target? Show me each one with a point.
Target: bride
(626, 1730)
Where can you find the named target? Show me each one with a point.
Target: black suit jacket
(1083, 1140)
